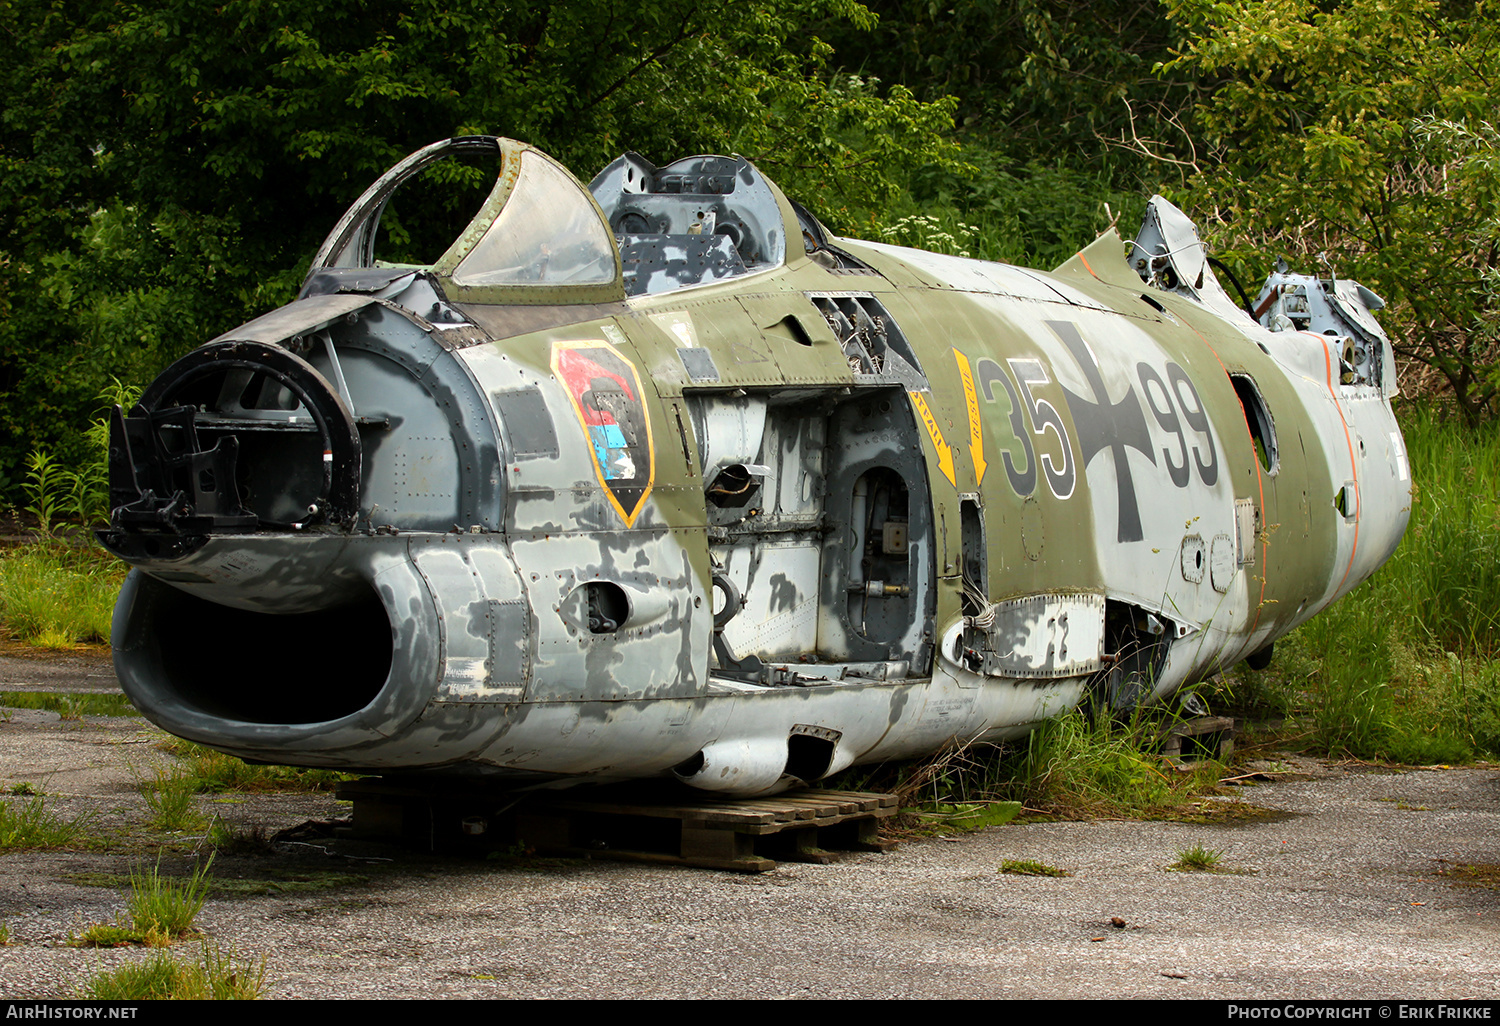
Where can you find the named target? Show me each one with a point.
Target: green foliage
(1069, 766)
(164, 907)
(1074, 765)
(226, 838)
(212, 771)
(1361, 133)
(55, 595)
(925, 231)
(1407, 666)
(158, 909)
(216, 975)
(68, 706)
(968, 817)
(44, 487)
(1031, 867)
(30, 825)
(171, 799)
(1034, 214)
(1036, 78)
(1197, 859)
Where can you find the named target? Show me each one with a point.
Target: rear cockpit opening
(253, 667)
(698, 220)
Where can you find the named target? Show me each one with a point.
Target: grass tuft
(159, 909)
(229, 839)
(172, 799)
(1030, 867)
(30, 825)
(216, 975)
(165, 907)
(1197, 859)
(1405, 668)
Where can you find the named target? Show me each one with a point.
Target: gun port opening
(255, 667)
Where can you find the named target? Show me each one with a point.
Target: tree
(1359, 136)
(1037, 80)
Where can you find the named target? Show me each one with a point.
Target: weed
(1069, 766)
(34, 827)
(225, 837)
(215, 975)
(4, 935)
(958, 774)
(1076, 767)
(172, 800)
(1197, 859)
(109, 935)
(925, 231)
(967, 817)
(59, 595)
(45, 487)
(86, 703)
(159, 909)
(163, 907)
(23, 788)
(82, 492)
(215, 771)
(1030, 867)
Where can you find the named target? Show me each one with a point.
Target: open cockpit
(697, 220)
(541, 237)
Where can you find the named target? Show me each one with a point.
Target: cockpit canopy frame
(542, 237)
(538, 238)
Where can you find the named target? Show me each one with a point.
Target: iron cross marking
(1102, 424)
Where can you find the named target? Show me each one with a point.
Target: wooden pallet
(744, 835)
(1210, 737)
(636, 823)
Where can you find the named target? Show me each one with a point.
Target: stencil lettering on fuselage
(605, 391)
(1100, 423)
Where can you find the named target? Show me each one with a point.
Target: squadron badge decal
(606, 394)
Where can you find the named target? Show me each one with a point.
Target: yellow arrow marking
(971, 402)
(945, 454)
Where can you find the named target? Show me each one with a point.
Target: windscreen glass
(548, 234)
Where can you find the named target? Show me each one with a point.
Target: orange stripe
(1358, 513)
(1086, 266)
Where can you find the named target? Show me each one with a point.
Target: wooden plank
(750, 864)
(710, 813)
(782, 810)
(824, 808)
(883, 801)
